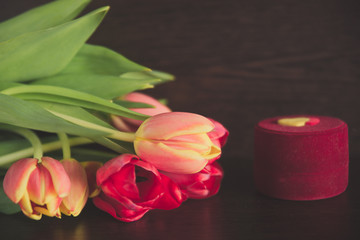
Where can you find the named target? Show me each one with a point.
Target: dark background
(237, 62)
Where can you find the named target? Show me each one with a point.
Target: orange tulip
(37, 187)
(79, 191)
(176, 142)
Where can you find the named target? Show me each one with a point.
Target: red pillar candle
(301, 157)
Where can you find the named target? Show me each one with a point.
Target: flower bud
(131, 125)
(176, 142)
(38, 188)
(79, 191)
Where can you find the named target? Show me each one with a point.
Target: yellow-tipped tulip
(176, 142)
(79, 191)
(37, 187)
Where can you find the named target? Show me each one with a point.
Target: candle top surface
(323, 124)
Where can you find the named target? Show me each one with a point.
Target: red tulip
(131, 125)
(203, 184)
(176, 142)
(131, 187)
(37, 187)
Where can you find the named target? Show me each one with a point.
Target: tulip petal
(34, 216)
(112, 166)
(117, 210)
(125, 182)
(172, 197)
(26, 207)
(214, 153)
(36, 188)
(169, 159)
(131, 125)
(50, 209)
(149, 185)
(219, 133)
(142, 98)
(203, 184)
(200, 143)
(110, 191)
(75, 201)
(16, 178)
(60, 179)
(168, 125)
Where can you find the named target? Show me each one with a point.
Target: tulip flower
(131, 125)
(203, 184)
(176, 142)
(131, 187)
(37, 187)
(79, 191)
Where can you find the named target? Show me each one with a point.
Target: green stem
(123, 136)
(30, 136)
(65, 145)
(48, 147)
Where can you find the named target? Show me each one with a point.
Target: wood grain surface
(237, 62)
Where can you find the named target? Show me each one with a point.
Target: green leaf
(46, 52)
(72, 97)
(14, 143)
(6, 205)
(129, 104)
(42, 17)
(149, 74)
(101, 60)
(111, 145)
(5, 85)
(103, 86)
(78, 114)
(164, 76)
(21, 113)
(163, 101)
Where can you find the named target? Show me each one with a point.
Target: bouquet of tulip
(78, 104)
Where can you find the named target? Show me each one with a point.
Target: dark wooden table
(237, 62)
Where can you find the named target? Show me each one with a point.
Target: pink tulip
(176, 142)
(79, 191)
(37, 187)
(218, 136)
(131, 187)
(203, 184)
(131, 125)
(219, 133)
